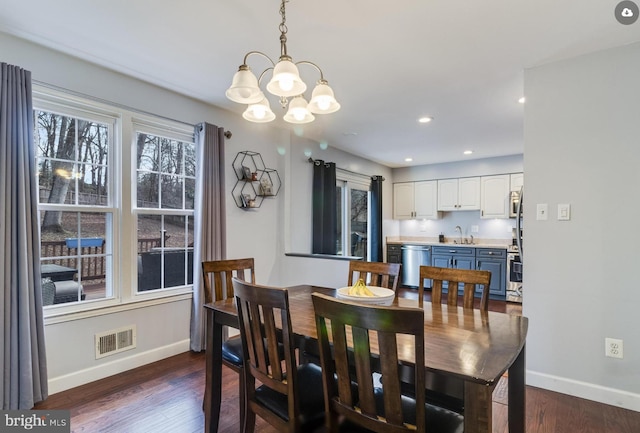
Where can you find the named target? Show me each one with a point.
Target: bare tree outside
(72, 160)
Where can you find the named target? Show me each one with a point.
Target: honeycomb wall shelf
(254, 181)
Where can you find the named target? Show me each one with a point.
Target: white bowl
(383, 296)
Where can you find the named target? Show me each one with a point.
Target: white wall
(580, 281)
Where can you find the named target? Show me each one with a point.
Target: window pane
(165, 251)
(72, 161)
(166, 170)
(172, 187)
(74, 254)
(359, 222)
(148, 190)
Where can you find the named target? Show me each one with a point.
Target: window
(165, 191)
(353, 215)
(75, 203)
(116, 204)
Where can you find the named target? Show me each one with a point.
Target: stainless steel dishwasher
(414, 256)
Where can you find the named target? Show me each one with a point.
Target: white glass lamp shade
(322, 100)
(244, 87)
(298, 111)
(286, 80)
(259, 112)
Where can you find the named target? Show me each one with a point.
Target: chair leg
(247, 382)
(242, 397)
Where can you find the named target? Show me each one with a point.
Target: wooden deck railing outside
(93, 259)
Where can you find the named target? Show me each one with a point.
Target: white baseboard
(589, 391)
(68, 381)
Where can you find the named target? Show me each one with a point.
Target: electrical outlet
(613, 348)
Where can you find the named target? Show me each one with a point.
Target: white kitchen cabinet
(415, 200)
(459, 194)
(516, 181)
(494, 196)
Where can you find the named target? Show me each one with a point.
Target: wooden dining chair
(454, 277)
(375, 274)
(223, 271)
(290, 396)
(345, 332)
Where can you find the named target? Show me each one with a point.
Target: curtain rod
(105, 101)
(312, 161)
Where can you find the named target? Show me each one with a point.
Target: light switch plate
(564, 212)
(542, 211)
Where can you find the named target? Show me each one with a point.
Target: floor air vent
(112, 342)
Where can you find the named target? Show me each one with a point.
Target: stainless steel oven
(514, 277)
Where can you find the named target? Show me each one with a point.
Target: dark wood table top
(472, 345)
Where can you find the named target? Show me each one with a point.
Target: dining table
(468, 345)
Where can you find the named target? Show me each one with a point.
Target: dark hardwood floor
(166, 396)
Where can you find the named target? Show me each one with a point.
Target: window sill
(323, 256)
(86, 310)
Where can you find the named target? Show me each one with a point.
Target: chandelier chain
(283, 30)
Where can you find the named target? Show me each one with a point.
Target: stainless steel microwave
(513, 204)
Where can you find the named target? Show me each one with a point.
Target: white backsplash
(487, 228)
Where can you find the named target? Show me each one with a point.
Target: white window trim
(125, 121)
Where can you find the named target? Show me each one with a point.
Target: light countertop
(477, 243)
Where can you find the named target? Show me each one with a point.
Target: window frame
(121, 183)
(347, 181)
(173, 132)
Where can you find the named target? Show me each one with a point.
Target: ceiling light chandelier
(285, 83)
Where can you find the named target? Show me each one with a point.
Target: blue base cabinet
(494, 260)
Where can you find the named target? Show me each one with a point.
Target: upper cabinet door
(517, 180)
(459, 194)
(426, 200)
(403, 200)
(495, 196)
(469, 193)
(415, 200)
(448, 194)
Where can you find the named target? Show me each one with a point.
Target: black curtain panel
(325, 220)
(376, 219)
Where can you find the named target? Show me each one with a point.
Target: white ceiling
(388, 62)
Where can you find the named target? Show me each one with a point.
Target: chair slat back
(368, 335)
(223, 271)
(454, 277)
(375, 273)
(264, 317)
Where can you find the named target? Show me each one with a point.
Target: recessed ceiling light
(408, 159)
(468, 152)
(522, 100)
(425, 119)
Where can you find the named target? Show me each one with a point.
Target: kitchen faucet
(458, 229)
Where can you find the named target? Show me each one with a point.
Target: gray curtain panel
(23, 362)
(210, 222)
